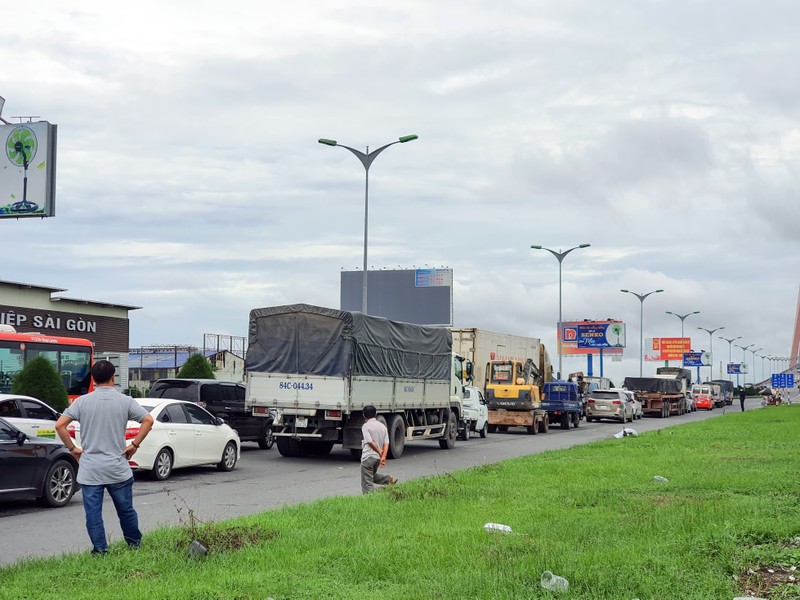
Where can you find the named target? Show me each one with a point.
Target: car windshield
(605, 395)
(177, 390)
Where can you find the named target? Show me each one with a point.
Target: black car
(224, 399)
(32, 467)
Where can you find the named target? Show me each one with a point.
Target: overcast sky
(190, 181)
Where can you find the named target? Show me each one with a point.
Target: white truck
(476, 414)
(317, 368)
(480, 346)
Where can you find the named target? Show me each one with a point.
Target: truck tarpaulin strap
(313, 340)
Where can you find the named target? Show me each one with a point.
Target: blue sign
(735, 369)
(600, 335)
(694, 359)
(783, 380)
(433, 277)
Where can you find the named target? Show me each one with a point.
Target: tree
(40, 379)
(197, 367)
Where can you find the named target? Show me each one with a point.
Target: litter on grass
(660, 479)
(554, 583)
(497, 527)
(626, 432)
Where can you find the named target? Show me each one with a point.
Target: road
(265, 480)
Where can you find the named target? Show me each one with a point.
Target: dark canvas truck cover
(313, 340)
(653, 384)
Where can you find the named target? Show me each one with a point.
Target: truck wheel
(565, 420)
(577, 420)
(544, 425)
(320, 448)
(533, 429)
(289, 447)
(449, 440)
(465, 432)
(397, 436)
(485, 429)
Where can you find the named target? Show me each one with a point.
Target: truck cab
(563, 403)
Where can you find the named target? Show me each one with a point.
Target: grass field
(593, 514)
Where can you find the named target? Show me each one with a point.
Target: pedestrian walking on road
(742, 397)
(374, 448)
(103, 457)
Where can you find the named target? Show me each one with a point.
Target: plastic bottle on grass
(554, 583)
(660, 479)
(497, 527)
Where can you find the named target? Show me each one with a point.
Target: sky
(190, 181)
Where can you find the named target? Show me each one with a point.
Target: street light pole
(683, 318)
(744, 349)
(754, 362)
(711, 349)
(560, 257)
(730, 346)
(641, 298)
(366, 159)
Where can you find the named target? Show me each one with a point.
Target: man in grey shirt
(103, 459)
(374, 448)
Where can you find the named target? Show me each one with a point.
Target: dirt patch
(218, 538)
(770, 581)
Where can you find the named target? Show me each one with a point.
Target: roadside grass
(593, 514)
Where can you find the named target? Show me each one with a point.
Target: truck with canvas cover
(563, 403)
(317, 368)
(513, 396)
(727, 389)
(660, 396)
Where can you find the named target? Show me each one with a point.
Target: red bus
(72, 358)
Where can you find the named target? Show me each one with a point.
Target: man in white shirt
(374, 448)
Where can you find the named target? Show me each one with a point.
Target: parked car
(33, 467)
(224, 399)
(183, 435)
(476, 413)
(638, 413)
(609, 404)
(30, 415)
(703, 397)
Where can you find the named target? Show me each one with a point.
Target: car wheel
(229, 457)
(267, 439)
(484, 430)
(577, 422)
(162, 468)
(59, 484)
(449, 440)
(465, 431)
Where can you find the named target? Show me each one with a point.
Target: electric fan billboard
(28, 170)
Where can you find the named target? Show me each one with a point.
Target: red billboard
(666, 348)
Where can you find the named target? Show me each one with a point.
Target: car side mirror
(219, 421)
(22, 437)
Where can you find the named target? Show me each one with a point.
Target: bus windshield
(72, 361)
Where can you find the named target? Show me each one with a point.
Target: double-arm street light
(744, 349)
(730, 346)
(560, 257)
(754, 362)
(683, 318)
(711, 348)
(366, 159)
(641, 298)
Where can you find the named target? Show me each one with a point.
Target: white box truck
(318, 367)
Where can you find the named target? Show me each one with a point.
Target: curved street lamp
(560, 257)
(711, 348)
(683, 318)
(730, 345)
(744, 349)
(641, 298)
(366, 159)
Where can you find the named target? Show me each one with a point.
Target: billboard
(28, 172)
(421, 296)
(696, 359)
(736, 368)
(666, 348)
(589, 337)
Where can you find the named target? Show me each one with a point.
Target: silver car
(609, 404)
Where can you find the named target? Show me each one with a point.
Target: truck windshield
(502, 373)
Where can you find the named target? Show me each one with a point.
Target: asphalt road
(264, 480)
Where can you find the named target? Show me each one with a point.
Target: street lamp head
(584, 245)
(327, 142)
(626, 291)
(697, 312)
(658, 291)
(536, 247)
(408, 138)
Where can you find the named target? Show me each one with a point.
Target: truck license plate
(301, 422)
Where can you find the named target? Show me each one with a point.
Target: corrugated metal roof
(161, 360)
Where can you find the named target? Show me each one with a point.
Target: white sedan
(183, 435)
(638, 412)
(29, 415)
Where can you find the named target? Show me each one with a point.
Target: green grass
(592, 514)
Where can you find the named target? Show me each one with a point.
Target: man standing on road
(742, 397)
(104, 415)
(374, 448)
